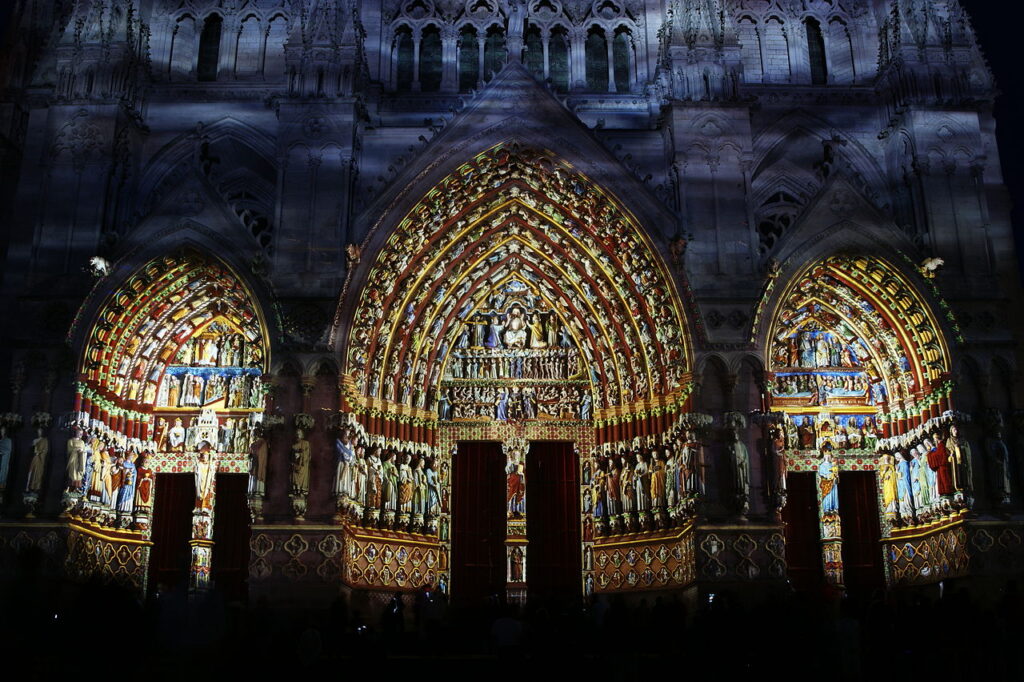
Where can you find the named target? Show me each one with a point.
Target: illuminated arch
(520, 213)
(893, 359)
(158, 314)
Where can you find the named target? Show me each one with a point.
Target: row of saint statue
(192, 389)
(211, 350)
(515, 403)
(387, 487)
(644, 487)
(559, 364)
(234, 434)
(929, 478)
(107, 483)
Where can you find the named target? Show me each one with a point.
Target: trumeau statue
(205, 472)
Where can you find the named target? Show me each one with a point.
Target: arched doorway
(519, 304)
(859, 382)
(170, 401)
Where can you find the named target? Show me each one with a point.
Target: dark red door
(171, 555)
(230, 568)
(803, 537)
(862, 550)
(478, 523)
(552, 521)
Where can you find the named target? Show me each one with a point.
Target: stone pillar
(480, 42)
(577, 59)
(417, 40)
(631, 56)
(449, 59)
(545, 39)
(609, 42)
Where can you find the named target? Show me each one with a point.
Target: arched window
(430, 59)
(183, 45)
(209, 49)
(247, 54)
(816, 53)
(623, 61)
(558, 59)
(469, 71)
(775, 217)
(403, 58)
(534, 58)
(597, 61)
(494, 51)
(273, 64)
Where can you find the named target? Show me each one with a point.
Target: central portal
(516, 522)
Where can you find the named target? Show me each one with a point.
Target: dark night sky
(998, 35)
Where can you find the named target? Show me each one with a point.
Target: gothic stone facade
(745, 241)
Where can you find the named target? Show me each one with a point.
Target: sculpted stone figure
(205, 472)
(345, 456)
(258, 453)
(37, 467)
(75, 468)
(176, 436)
(433, 492)
(300, 464)
(739, 459)
(963, 473)
(998, 456)
(5, 459)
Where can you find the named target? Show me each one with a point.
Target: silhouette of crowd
(57, 626)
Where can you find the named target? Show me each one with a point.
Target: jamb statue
(739, 460)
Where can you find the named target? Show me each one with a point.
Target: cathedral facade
(518, 297)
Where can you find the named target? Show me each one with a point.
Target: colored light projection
(516, 264)
(171, 381)
(855, 358)
(515, 359)
(854, 354)
(179, 336)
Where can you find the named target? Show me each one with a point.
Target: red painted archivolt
(519, 213)
(144, 325)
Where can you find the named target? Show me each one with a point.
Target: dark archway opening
(171, 555)
(552, 521)
(803, 538)
(231, 530)
(862, 549)
(478, 517)
(209, 49)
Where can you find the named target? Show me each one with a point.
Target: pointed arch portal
(170, 383)
(851, 336)
(512, 238)
(176, 314)
(519, 304)
(860, 385)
